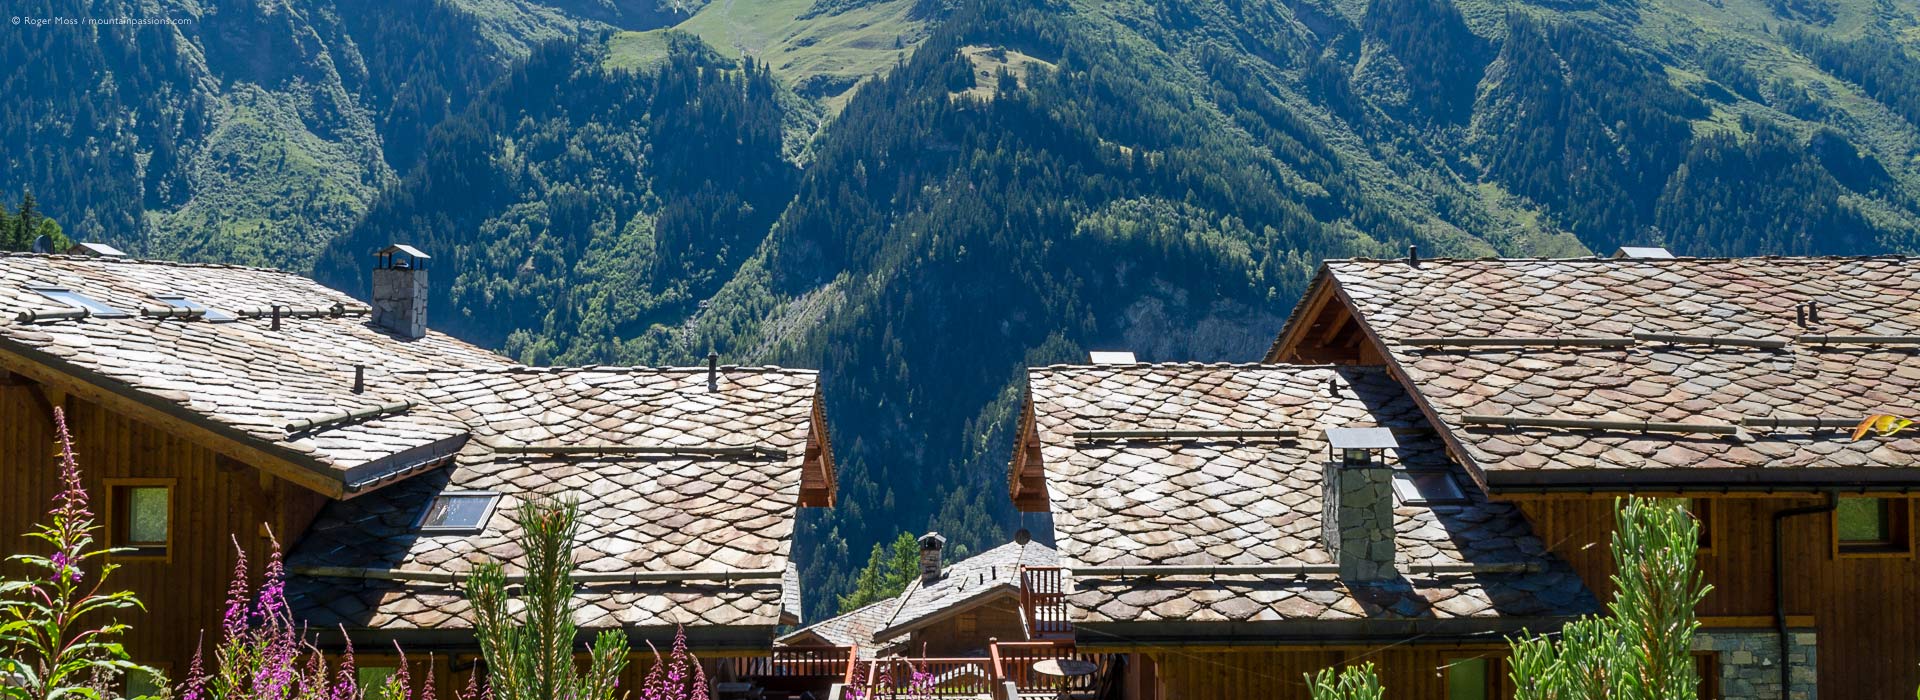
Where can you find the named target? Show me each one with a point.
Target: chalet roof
(681, 474)
(720, 514)
(243, 380)
(963, 585)
(1246, 494)
(1679, 369)
(854, 628)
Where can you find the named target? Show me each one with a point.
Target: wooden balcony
(1043, 603)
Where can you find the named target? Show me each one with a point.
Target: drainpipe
(1780, 583)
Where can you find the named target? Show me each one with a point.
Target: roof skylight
(78, 301)
(459, 511)
(1427, 488)
(182, 302)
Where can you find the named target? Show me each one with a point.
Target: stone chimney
(1356, 519)
(930, 546)
(400, 291)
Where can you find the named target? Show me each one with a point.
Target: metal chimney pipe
(713, 371)
(359, 379)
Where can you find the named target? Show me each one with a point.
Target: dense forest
(922, 198)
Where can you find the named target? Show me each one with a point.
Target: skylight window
(181, 302)
(459, 511)
(78, 301)
(1427, 488)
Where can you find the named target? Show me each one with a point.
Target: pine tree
(1642, 648)
(530, 655)
(887, 573)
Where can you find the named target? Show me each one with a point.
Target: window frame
(493, 504)
(1709, 522)
(1898, 512)
(1459, 499)
(118, 517)
(1489, 688)
(126, 680)
(87, 303)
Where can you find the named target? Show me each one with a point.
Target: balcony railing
(1043, 602)
(801, 662)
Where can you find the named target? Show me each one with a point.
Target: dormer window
(185, 304)
(459, 511)
(78, 301)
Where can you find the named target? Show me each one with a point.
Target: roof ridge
(610, 369)
(145, 261)
(1800, 259)
(1194, 364)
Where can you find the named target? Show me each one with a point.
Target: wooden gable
(817, 477)
(1325, 331)
(1027, 478)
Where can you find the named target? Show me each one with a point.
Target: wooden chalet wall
(1202, 673)
(214, 499)
(1866, 609)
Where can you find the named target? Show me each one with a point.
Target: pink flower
(234, 622)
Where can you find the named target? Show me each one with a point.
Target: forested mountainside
(921, 198)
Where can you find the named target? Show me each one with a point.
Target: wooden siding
(214, 500)
(1864, 608)
(1200, 673)
(997, 619)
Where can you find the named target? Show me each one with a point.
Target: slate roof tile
(1256, 501)
(1659, 381)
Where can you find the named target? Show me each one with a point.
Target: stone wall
(1357, 520)
(1749, 662)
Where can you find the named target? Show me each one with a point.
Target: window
(370, 678)
(78, 301)
(1706, 665)
(1864, 525)
(181, 302)
(969, 623)
(141, 685)
(459, 511)
(1467, 679)
(1702, 510)
(140, 516)
(1427, 488)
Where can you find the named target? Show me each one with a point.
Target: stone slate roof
(1655, 381)
(849, 629)
(653, 513)
(691, 506)
(241, 378)
(965, 582)
(1257, 501)
(962, 585)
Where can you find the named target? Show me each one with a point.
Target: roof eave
(1506, 482)
(1315, 632)
(49, 369)
(959, 606)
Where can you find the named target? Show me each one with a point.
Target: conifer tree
(887, 573)
(530, 655)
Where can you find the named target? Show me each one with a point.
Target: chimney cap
(408, 250)
(401, 256)
(1111, 357)
(1628, 251)
(98, 250)
(933, 540)
(1361, 439)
